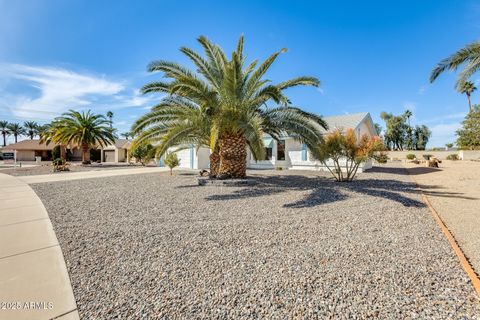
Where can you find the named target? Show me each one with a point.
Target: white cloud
(55, 90)
(41, 93)
(443, 133)
(422, 89)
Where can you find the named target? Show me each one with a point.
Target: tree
(468, 136)
(224, 106)
(126, 135)
(110, 119)
(449, 145)
(15, 129)
(341, 148)
(421, 136)
(143, 153)
(31, 128)
(468, 56)
(378, 128)
(171, 161)
(5, 131)
(84, 129)
(467, 88)
(396, 130)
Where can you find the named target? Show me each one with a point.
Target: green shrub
(427, 156)
(279, 168)
(453, 156)
(58, 162)
(56, 152)
(143, 153)
(171, 161)
(410, 156)
(381, 158)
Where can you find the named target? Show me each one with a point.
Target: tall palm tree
(81, 129)
(5, 131)
(31, 128)
(126, 135)
(15, 129)
(468, 55)
(224, 105)
(110, 119)
(468, 88)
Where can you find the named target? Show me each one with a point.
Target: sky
(370, 56)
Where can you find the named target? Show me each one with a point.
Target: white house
(117, 152)
(286, 153)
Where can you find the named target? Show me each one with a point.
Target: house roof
(122, 143)
(30, 145)
(346, 121)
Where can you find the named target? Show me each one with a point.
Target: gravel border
(294, 245)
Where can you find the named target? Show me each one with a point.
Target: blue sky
(369, 55)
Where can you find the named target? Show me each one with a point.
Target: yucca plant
(84, 129)
(224, 105)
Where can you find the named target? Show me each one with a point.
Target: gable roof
(345, 121)
(30, 145)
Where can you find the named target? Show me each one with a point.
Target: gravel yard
(77, 167)
(295, 245)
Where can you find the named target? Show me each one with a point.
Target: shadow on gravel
(403, 171)
(323, 190)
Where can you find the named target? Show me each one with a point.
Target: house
(287, 152)
(291, 154)
(117, 152)
(28, 150)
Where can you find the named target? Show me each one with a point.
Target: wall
(203, 158)
(402, 155)
(469, 154)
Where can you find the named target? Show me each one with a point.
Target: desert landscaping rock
(294, 245)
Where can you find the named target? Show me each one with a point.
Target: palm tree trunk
(4, 139)
(233, 156)
(469, 103)
(16, 136)
(215, 161)
(85, 153)
(62, 152)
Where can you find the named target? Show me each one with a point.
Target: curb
(467, 267)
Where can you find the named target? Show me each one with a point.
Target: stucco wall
(469, 154)
(402, 155)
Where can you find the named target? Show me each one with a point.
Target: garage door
(109, 156)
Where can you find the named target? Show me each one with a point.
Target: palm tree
(5, 131)
(81, 129)
(468, 55)
(31, 128)
(224, 106)
(15, 129)
(126, 135)
(468, 88)
(110, 119)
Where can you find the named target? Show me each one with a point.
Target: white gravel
(295, 245)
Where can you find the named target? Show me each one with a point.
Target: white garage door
(109, 156)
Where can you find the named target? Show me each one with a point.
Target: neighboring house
(27, 150)
(287, 153)
(117, 152)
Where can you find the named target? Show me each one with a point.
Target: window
(268, 153)
(281, 150)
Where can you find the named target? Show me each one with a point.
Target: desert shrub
(453, 156)
(344, 147)
(279, 168)
(427, 156)
(56, 153)
(411, 156)
(381, 157)
(58, 161)
(143, 153)
(171, 161)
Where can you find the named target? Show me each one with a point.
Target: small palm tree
(85, 130)
(224, 105)
(15, 129)
(110, 119)
(468, 88)
(5, 131)
(468, 56)
(31, 128)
